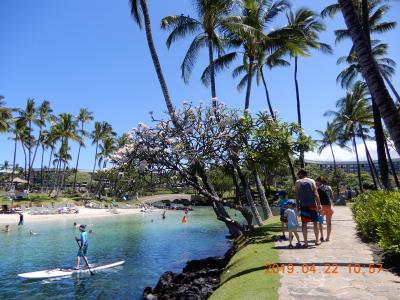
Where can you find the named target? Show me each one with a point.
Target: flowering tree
(205, 138)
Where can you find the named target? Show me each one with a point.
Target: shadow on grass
(244, 272)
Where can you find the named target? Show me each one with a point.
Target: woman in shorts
(326, 197)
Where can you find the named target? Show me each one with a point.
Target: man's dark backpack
(323, 195)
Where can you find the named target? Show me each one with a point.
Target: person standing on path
(308, 203)
(282, 206)
(293, 223)
(21, 219)
(325, 194)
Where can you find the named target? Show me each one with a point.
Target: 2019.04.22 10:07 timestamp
(323, 268)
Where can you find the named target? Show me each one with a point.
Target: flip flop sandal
(290, 246)
(304, 246)
(298, 245)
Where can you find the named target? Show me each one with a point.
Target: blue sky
(91, 54)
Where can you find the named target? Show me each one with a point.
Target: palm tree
(107, 147)
(350, 74)
(371, 13)
(44, 115)
(139, 12)
(5, 115)
(264, 60)
(328, 138)
(29, 117)
(371, 71)
(84, 117)
(353, 111)
(50, 142)
(307, 22)
(210, 15)
(247, 30)
(96, 136)
(66, 131)
(352, 71)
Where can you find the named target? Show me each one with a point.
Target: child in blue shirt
(282, 206)
(292, 223)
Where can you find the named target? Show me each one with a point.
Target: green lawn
(245, 276)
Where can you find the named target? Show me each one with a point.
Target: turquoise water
(149, 249)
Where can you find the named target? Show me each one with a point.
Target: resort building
(350, 166)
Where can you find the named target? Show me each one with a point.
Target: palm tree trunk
(29, 153)
(335, 171)
(371, 73)
(41, 171)
(372, 167)
(396, 179)
(94, 166)
(36, 148)
(271, 111)
(291, 168)
(358, 164)
(297, 90)
(380, 146)
(48, 169)
(212, 71)
(76, 166)
(15, 156)
(23, 148)
(301, 157)
(156, 62)
(261, 191)
(395, 93)
(249, 81)
(379, 134)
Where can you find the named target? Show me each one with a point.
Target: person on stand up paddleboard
(84, 243)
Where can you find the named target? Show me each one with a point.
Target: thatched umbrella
(19, 180)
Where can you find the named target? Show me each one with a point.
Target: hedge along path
(331, 282)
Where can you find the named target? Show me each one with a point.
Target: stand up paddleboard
(66, 272)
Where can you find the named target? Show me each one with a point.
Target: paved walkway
(335, 282)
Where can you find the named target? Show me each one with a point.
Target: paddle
(84, 257)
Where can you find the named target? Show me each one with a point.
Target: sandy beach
(83, 213)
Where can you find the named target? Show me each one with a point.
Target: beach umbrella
(19, 180)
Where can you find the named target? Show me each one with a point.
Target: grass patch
(245, 277)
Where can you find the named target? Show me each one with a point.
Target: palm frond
(136, 12)
(341, 34)
(383, 27)
(180, 27)
(191, 56)
(330, 10)
(221, 63)
(242, 83)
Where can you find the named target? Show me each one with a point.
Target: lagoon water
(149, 249)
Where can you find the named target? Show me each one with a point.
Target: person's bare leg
(297, 237)
(316, 232)
(328, 226)
(290, 237)
(321, 230)
(283, 228)
(304, 229)
(78, 262)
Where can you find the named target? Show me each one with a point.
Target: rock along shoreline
(198, 280)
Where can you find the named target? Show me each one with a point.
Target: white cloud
(345, 155)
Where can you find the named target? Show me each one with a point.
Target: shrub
(377, 215)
